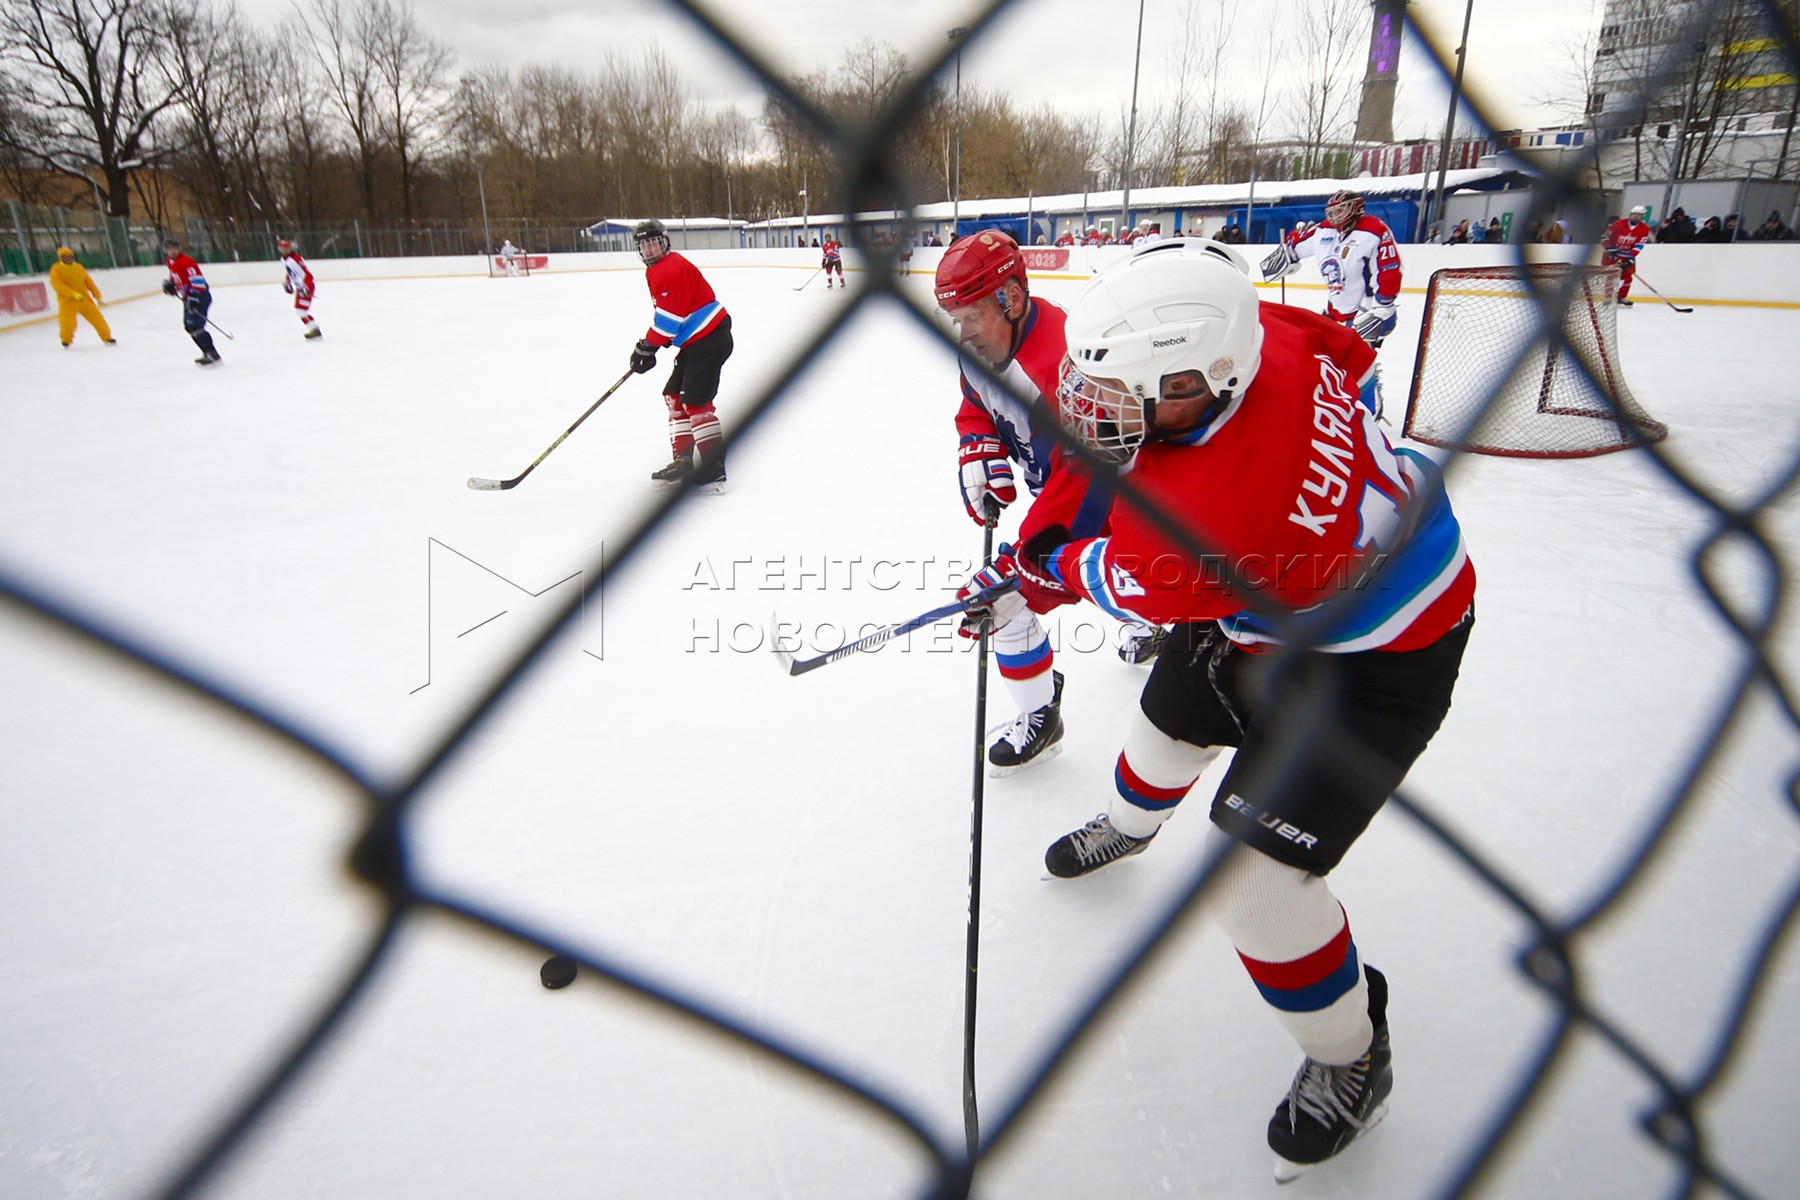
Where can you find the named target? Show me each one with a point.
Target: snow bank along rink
(294, 525)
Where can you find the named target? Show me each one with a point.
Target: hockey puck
(558, 971)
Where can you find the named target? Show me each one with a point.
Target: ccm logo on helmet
(1165, 343)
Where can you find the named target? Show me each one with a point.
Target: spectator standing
(1773, 230)
(1710, 231)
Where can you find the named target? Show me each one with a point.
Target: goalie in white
(1360, 262)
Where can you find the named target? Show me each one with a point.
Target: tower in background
(1375, 115)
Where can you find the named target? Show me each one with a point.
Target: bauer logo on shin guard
(1272, 823)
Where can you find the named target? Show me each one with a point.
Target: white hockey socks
(1294, 939)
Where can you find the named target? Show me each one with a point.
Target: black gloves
(168, 287)
(643, 357)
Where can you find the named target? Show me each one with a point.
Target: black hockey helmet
(170, 243)
(646, 232)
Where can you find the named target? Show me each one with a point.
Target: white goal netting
(1524, 361)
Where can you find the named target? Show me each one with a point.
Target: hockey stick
(221, 329)
(809, 279)
(1677, 307)
(887, 633)
(500, 485)
(972, 954)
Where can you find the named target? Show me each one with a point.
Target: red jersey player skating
(1318, 633)
(1624, 238)
(187, 283)
(689, 317)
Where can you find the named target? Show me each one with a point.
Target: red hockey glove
(287, 285)
(994, 592)
(987, 476)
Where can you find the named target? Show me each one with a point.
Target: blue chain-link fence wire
(1551, 961)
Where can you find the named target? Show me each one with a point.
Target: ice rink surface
(294, 524)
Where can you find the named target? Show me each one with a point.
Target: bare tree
(344, 47)
(1322, 107)
(411, 68)
(89, 84)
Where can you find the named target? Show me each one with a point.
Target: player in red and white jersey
(187, 283)
(299, 284)
(1624, 238)
(833, 260)
(1319, 636)
(1360, 261)
(689, 317)
(982, 286)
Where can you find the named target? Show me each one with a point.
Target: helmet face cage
(1344, 209)
(647, 235)
(1106, 416)
(284, 245)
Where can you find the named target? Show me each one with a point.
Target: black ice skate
(1035, 736)
(1329, 1107)
(709, 477)
(675, 472)
(207, 359)
(1624, 303)
(1090, 848)
(1140, 646)
(314, 332)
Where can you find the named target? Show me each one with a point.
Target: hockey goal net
(1523, 360)
(521, 264)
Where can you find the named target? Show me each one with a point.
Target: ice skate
(1140, 646)
(1034, 737)
(1328, 1107)
(314, 332)
(675, 472)
(710, 478)
(1090, 848)
(206, 360)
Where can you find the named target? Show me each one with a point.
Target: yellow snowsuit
(73, 290)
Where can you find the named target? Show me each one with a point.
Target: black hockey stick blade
(480, 484)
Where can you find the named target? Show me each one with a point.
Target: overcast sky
(1074, 54)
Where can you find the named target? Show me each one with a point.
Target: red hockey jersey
(1298, 499)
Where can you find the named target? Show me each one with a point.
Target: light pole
(1131, 126)
(487, 233)
(1462, 55)
(956, 36)
(805, 214)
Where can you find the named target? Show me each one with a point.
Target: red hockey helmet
(1343, 210)
(978, 265)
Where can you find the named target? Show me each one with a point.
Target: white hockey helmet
(1172, 307)
(1638, 210)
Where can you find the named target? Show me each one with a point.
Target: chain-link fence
(1552, 963)
(31, 234)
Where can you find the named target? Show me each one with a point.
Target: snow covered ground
(794, 852)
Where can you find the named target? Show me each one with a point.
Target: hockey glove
(1281, 261)
(643, 357)
(1041, 589)
(987, 476)
(168, 287)
(1376, 323)
(994, 595)
(287, 285)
